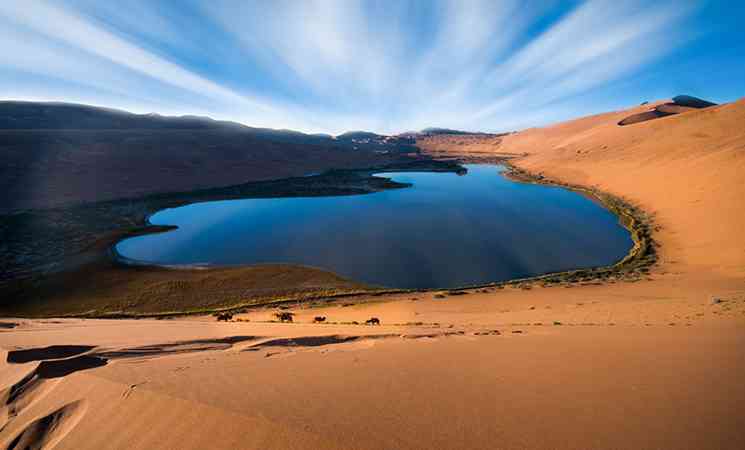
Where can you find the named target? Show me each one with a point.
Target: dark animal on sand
(372, 321)
(319, 319)
(284, 316)
(224, 317)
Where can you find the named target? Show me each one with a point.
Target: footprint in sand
(131, 389)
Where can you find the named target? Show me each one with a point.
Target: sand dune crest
(46, 432)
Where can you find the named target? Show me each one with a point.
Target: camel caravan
(288, 317)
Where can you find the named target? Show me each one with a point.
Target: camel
(284, 316)
(224, 317)
(373, 321)
(319, 319)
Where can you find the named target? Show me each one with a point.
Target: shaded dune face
(44, 367)
(680, 104)
(198, 345)
(62, 154)
(316, 341)
(63, 367)
(51, 352)
(49, 430)
(17, 400)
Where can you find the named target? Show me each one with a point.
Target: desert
(651, 362)
(372, 225)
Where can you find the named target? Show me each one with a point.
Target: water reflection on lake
(445, 231)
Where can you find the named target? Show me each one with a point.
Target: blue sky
(385, 66)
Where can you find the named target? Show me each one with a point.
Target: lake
(445, 231)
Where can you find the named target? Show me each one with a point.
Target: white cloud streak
(332, 65)
(59, 24)
(598, 42)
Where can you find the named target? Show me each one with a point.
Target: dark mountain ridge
(22, 115)
(54, 154)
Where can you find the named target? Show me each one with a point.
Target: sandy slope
(548, 387)
(686, 169)
(650, 364)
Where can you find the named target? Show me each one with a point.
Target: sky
(384, 66)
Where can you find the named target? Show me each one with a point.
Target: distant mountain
(680, 104)
(322, 135)
(22, 115)
(358, 136)
(432, 131)
(19, 115)
(53, 154)
(378, 142)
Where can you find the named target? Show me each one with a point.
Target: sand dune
(686, 170)
(47, 431)
(654, 363)
(548, 386)
(679, 105)
(61, 154)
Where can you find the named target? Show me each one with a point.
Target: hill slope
(686, 170)
(653, 363)
(21, 115)
(56, 154)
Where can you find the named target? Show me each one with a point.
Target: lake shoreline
(642, 254)
(640, 257)
(99, 257)
(646, 364)
(106, 258)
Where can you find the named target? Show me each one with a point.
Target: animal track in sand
(131, 389)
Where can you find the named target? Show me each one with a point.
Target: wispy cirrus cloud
(58, 24)
(332, 65)
(596, 43)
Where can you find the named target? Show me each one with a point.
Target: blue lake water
(445, 231)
